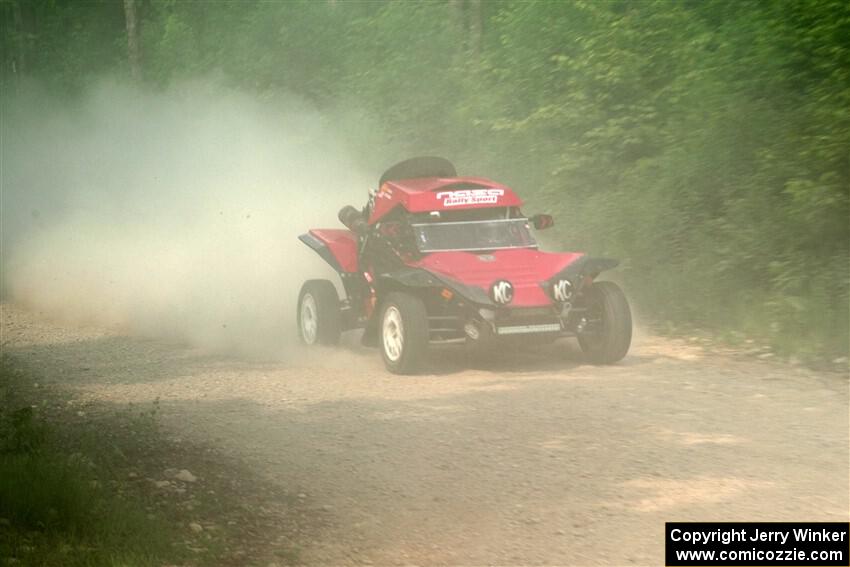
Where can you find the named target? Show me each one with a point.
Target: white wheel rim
(309, 319)
(393, 333)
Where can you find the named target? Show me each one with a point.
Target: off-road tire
(410, 355)
(612, 341)
(326, 314)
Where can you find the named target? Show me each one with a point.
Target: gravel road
(529, 458)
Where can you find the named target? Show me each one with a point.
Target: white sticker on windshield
(470, 197)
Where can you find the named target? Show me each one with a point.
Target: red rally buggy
(435, 258)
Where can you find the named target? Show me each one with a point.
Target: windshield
(473, 235)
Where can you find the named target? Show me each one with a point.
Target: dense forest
(705, 142)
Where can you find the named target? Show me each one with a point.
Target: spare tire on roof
(426, 166)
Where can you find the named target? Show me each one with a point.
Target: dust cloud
(170, 214)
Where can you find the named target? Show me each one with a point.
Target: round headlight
(502, 292)
(562, 290)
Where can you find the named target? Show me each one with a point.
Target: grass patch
(54, 507)
(87, 483)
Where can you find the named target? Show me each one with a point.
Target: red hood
(525, 268)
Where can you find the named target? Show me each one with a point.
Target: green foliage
(19, 432)
(53, 510)
(54, 515)
(705, 143)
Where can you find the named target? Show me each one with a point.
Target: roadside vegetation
(705, 143)
(90, 487)
(57, 506)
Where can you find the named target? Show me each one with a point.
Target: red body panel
(342, 244)
(525, 268)
(438, 194)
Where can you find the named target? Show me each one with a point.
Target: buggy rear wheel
(609, 331)
(318, 313)
(403, 332)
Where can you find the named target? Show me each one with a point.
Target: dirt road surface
(522, 458)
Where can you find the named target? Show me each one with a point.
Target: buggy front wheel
(608, 334)
(318, 314)
(403, 332)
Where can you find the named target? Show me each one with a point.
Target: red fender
(338, 247)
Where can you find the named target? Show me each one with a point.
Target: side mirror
(353, 220)
(539, 222)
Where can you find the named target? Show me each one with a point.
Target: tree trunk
(474, 17)
(132, 39)
(457, 20)
(19, 63)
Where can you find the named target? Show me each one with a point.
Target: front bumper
(485, 324)
(508, 330)
(507, 322)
